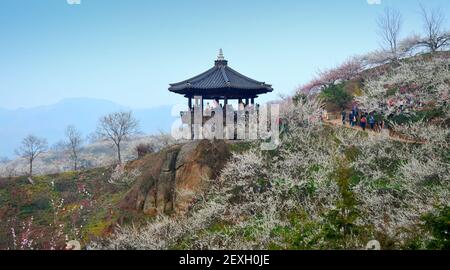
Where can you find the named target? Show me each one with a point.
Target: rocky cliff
(171, 178)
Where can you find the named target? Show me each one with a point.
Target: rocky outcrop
(171, 178)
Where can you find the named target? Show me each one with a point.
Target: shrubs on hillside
(323, 188)
(143, 149)
(336, 94)
(123, 177)
(437, 223)
(420, 85)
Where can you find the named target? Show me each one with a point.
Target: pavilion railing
(187, 117)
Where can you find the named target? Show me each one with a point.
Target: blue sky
(128, 51)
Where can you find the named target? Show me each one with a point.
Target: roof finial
(220, 56)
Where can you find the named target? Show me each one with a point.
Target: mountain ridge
(81, 112)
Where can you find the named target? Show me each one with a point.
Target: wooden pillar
(240, 101)
(253, 101)
(225, 103)
(191, 117)
(246, 102)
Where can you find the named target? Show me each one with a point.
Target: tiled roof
(221, 76)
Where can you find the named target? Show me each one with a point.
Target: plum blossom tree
(423, 81)
(123, 177)
(346, 71)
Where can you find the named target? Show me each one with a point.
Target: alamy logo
(247, 123)
(74, 2)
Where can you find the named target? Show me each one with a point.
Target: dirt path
(384, 132)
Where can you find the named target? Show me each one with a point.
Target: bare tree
(73, 144)
(435, 37)
(390, 24)
(11, 171)
(31, 148)
(117, 127)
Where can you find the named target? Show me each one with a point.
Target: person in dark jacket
(372, 122)
(344, 116)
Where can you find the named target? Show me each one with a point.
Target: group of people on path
(363, 119)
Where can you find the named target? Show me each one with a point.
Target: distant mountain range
(50, 121)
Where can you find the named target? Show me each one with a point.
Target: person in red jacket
(363, 122)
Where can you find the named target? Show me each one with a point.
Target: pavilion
(221, 83)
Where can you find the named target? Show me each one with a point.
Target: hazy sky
(128, 51)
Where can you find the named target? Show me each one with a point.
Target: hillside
(331, 187)
(353, 88)
(40, 215)
(325, 187)
(87, 205)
